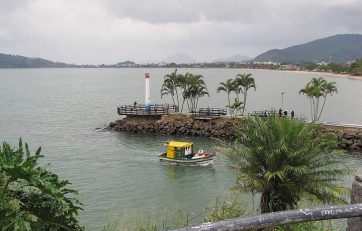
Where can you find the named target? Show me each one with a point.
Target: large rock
(355, 224)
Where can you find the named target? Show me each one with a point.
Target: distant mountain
(235, 58)
(126, 63)
(180, 58)
(337, 49)
(16, 61)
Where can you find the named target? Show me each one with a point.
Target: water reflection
(354, 161)
(178, 172)
(155, 142)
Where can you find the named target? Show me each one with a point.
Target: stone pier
(355, 224)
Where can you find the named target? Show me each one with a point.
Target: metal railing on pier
(281, 218)
(208, 113)
(143, 110)
(261, 113)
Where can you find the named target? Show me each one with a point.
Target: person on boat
(188, 152)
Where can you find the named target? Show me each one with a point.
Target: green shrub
(31, 197)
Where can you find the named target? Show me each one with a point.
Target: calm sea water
(118, 174)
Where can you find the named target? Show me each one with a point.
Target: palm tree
(328, 89)
(286, 161)
(308, 91)
(236, 106)
(227, 87)
(168, 88)
(314, 90)
(172, 79)
(194, 88)
(183, 84)
(246, 82)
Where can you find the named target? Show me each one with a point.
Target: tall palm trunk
(265, 201)
(320, 113)
(317, 109)
(173, 99)
(178, 102)
(229, 103)
(314, 119)
(245, 93)
(182, 107)
(311, 108)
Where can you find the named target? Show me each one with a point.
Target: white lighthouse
(147, 91)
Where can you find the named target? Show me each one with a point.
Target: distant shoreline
(330, 74)
(327, 74)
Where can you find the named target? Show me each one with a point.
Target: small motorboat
(183, 153)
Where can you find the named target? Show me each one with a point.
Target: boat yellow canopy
(178, 144)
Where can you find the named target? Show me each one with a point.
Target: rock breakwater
(350, 138)
(225, 128)
(220, 128)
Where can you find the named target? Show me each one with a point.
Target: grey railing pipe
(281, 218)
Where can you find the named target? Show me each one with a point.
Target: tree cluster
(315, 90)
(239, 85)
(355, 68)
(189, 86)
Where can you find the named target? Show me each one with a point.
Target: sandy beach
(318, 73)
(328, 74)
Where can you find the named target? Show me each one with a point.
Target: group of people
(285, 113)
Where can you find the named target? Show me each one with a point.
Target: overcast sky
(109, 31)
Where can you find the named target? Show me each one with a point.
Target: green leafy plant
(286, 161)
(31, 197)
(149, 222)
(225, 210)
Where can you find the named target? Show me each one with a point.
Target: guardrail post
(282, 218)
(355, 224)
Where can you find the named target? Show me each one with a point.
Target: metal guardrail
(208, 113)
(281, 218)
(261, 113)
(142, 110)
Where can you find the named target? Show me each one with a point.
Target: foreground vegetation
(286, 161)
(31, 197)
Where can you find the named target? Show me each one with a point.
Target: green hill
(338, 49)
(16, 61)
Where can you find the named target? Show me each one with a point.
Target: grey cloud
(155, 11)
(346, 16)
(188, 11)
(9, 5)
(95, 31)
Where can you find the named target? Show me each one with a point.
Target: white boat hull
(193, 161)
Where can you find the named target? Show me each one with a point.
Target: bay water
(118, 174)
